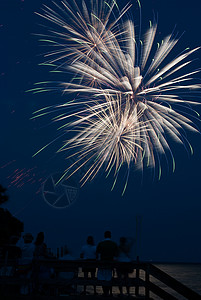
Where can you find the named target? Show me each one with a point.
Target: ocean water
(188, 274)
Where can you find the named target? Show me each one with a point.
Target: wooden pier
(142, 281)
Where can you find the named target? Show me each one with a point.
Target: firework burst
(108, 135)
(82, 29)
(134, 98)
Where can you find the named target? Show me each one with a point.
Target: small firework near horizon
(130, 99)
(17, 175)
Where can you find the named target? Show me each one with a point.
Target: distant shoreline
(173, 263)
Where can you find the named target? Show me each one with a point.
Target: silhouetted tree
(9, 225)
(3, 196)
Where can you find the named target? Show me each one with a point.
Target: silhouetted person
(40, 271)
(27, 248)
(25, 262)
(107, 250)
(40, 247)
(124, 256)
(88, 252)
(68, 275)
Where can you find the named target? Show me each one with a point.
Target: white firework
(133, 95)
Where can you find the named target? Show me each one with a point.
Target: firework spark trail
(83, 26)
(135, 98)
(17, 177)
(7, 164)
(109, 135)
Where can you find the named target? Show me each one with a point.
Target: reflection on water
(188, 274)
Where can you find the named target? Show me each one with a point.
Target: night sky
(169, 210)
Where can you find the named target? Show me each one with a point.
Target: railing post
(57, 252)
(147, 282)
(137, 278)
(62, 251)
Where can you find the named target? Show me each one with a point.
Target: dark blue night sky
(169, 209)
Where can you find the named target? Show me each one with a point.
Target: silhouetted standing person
(25, 263)
(107, 251)
(40, 271)
(88, 252)
(68, 275)
(124, 256)
(40, 247)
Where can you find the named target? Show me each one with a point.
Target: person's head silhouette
(107, 234)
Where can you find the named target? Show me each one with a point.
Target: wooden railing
(141, 279)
